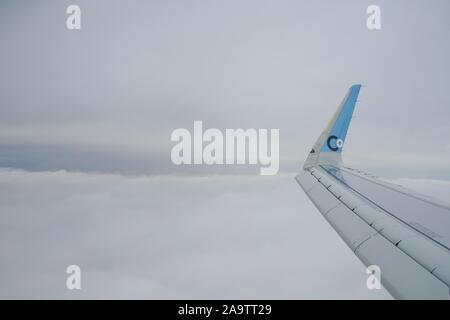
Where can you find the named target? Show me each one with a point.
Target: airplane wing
(404, 233)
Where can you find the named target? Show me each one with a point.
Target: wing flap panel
(350, 227)
(399, 274)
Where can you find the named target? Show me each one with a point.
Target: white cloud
(169, 237)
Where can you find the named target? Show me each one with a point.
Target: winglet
(330, 143)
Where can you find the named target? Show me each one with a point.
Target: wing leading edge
(404, 233)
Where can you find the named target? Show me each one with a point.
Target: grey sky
(105, 99)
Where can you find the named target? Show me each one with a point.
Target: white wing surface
(404, 233)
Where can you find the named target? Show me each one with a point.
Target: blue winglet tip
(338, 132)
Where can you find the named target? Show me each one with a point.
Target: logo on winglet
(334, 143)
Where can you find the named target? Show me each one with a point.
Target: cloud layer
(170, 237)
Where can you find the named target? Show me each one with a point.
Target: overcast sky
(86, 118)
(106, 98)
